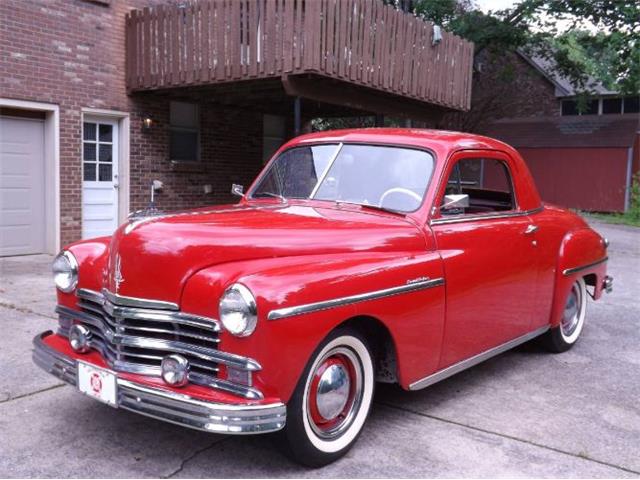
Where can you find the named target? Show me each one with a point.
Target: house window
(611, 105)
(569, 107)
(184, 141)
(631, 104)
(572, 107)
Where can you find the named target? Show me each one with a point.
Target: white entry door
(100, 177)
(22, 217)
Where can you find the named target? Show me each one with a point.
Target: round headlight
(238, 311)
(65, 271)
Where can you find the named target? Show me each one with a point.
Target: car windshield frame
(339, 145)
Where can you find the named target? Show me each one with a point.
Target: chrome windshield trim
(476, 359)
(124, 301)
(362, 297)
(491, 216)
(571, 271)
(326, 171)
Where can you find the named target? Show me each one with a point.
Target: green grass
(616, 218)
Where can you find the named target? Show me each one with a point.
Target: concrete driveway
(524, 413)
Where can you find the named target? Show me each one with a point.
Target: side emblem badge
(117, 273)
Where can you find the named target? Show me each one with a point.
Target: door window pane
(105, 152)
(106, 133)
(105, 172)
(486, 181)
(89, 151)
(89, 172)
(89, 131)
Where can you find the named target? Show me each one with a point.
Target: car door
(488, 253)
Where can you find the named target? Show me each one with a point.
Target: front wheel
(332, 400)
(565, 335)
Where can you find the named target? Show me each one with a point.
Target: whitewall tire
(330, 405)
(567, 333)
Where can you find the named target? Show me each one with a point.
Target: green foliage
(558, 29)
(632, 215)
(634, 199)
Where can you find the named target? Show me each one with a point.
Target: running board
(476, 359)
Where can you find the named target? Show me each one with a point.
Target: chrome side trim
(362, 297)
(132, 301)
(491, 216)
(169, 406)
(476, 359)
(571, 271)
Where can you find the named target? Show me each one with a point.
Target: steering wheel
(405, 191)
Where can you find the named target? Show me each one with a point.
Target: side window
(486, 181)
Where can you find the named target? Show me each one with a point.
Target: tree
(549, 28)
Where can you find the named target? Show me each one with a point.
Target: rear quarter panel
(564, 241)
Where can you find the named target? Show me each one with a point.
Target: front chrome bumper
(169, 406)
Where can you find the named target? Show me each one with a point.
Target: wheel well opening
(591, 280)
(382, 346)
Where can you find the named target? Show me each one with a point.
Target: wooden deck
(362, 42)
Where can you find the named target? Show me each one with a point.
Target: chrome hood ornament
(117, 273)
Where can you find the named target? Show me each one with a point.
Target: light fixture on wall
(147, 123)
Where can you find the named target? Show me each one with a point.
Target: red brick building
(99, 98)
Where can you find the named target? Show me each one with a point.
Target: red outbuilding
(584, 162)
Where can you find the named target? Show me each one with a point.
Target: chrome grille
(135, 340)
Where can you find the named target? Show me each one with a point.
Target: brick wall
(71, 53)
(504, 86)
(231, 152)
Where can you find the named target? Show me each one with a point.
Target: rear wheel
(332, 400)
(565, 335)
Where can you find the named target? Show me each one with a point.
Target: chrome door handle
(531, 229)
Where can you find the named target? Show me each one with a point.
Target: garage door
(22, 219)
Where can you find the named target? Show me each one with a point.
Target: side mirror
(455, 201)
(237, 190)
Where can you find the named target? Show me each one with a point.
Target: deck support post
(297, 116)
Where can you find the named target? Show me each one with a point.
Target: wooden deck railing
(360, 41)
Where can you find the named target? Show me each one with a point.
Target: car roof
(439, 140)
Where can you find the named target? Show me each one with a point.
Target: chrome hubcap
(571, 314)
(335, 393)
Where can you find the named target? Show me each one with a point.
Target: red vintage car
(356, 257)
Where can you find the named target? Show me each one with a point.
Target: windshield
(391, 178)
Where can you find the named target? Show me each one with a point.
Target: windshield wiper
(372, 207)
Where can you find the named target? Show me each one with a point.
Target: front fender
(283, 347)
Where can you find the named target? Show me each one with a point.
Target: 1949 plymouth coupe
(356, 256)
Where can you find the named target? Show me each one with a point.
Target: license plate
(97, 383)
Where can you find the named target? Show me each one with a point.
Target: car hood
(153, 257)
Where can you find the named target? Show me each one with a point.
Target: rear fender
(582, 252)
